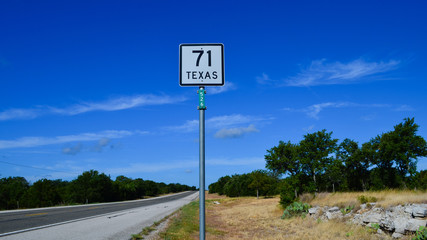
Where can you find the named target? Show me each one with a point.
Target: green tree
(151, 188)
(125, 188)
(43, 193)
(396, 154)
(238, 186)
(315, 154)
(260, 181)
(405, 147)
(357, 162)
(218, 187)
(334, 173)
(283, 159)
(11, 191)
(420, 180)
(91, 187)
(140, 189)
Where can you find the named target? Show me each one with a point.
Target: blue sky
(95, 84)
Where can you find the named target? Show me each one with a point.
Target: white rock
(387, 222)
(400, 224)
(357, 219)
(414, 224)
(419, 211)
(313, 210)
(372, 218)
(333, 209)
(408, 209)
(333, 215)
(396, 235)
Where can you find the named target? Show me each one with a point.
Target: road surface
(95, 221)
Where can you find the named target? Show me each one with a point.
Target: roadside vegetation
(89, 187)
(320, 163)
(252, 218)
(185, 224)
(384, 198)
(321, 170)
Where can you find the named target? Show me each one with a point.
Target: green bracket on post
(201, 92)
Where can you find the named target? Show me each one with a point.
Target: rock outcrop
(396, 220)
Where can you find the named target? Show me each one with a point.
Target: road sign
(201, 64)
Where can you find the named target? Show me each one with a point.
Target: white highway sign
(201, 64)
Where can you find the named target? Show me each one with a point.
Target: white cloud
(220, 122)
(115, 104)
(404, 108)
(42, 141)
(19, 114)
(231, 120)
(152, 167)
(235, 161)
(314, 110)
(99, 146)
(322, 73)
(103, 142)
(72, 150)
(264, 79)
(186, 165)
(188, 126)
(235, 132)
(228, 86)
(309, 128)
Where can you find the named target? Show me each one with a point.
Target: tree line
(320, 163)
(89, 187)
(256, 183)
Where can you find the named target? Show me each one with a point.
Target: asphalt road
(12, 222)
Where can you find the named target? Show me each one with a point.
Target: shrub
(365, 199)
(295, 209)
(373, 228)
(347, 209)
(421, 234)
(287, 194)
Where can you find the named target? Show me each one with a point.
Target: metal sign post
(202, 108)
(201, 65)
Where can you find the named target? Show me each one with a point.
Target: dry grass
(384, 198)
(249, 218)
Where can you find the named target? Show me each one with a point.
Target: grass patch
(185, 225)
(137, 236)
(147, 230)
(385, 198)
